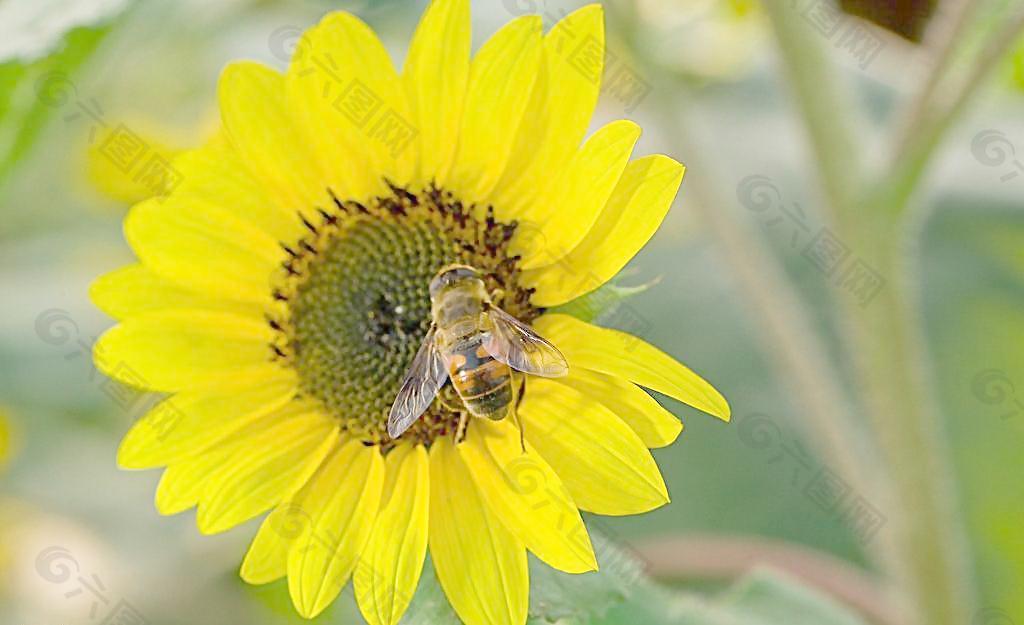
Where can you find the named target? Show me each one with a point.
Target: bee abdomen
(483, 383)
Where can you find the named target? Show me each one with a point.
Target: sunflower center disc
(359, 306)
(363, 311)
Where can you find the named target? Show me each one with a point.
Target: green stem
(911, 161)
(884, 340)
(832, 124)
(894, 372)
(944, 34)
(894, 365)
(804, 365)
(803, 359)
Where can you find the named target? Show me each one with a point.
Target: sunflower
(282, 292)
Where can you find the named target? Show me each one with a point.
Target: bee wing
(518, 346)
(425, 377)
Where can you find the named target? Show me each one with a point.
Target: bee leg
(522, 433)
(497, 294)
(516, 397)
(460, 430)
(444, 402)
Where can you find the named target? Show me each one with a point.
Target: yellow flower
(7, 443)
(282, 293)
(126, 163)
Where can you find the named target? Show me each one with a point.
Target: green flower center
(358, 302)
(361, 314)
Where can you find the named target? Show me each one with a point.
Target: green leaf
(767, 597)
(37, 65)
(557, 596)
(429, 605)
(36, 28)
(554, 596)
(764, 597)
(620, 593)
(603, 303)
(974, 301)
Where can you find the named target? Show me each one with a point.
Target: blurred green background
(707, 82)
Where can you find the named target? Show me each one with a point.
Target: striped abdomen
(483, 383)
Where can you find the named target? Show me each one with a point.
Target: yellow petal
(135, 289)
(182, 483)
(267, 558)
(500, 79)
(552, 231)
(341, 501)
(175, 349)
(435, 76)
(526, 494)
(310, 88)
(389, 569)
(602, 462)
(655, 426)
(141, 171)
(204, 248)
(345, 95)
(252, 107)
(193, 420)
(558, 114)
(216, 175)
(634, 211)
(623, 355)
(264, 470)
(481, 565)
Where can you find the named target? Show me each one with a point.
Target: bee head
(452, 275)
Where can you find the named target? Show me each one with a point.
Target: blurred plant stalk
(885, 340)
(929, 564)
(924, 553)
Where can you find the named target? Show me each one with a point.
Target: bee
(476, 345)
